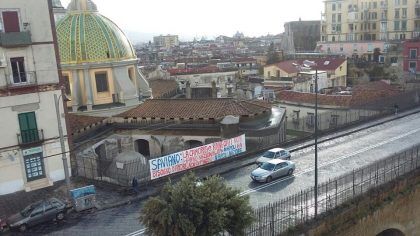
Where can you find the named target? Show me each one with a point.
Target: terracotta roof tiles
(196, 108)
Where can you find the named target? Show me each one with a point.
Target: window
(413, 53)
(131, 74)
(404, 2)
(396, 25)
(295, 116)
(28, 127)
(333, 6)
(18, 70)
(412, 65)
(338, 18)
(373, 26)
(339, 6)
(101, 79)
(404, 12)
(404, 25)
(34, 166)
(397, 2)
(375, 5)
(333, 18)
(397, 13)
(10, 21)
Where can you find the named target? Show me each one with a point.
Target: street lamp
(310, 64)
(63, 147)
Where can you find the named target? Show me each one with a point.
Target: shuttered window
(11, 21)
(28, 127)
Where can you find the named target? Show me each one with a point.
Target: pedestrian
(135, 185)
(396, 108)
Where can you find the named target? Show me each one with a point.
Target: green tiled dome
(90, 37)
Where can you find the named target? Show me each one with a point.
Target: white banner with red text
(188, 159)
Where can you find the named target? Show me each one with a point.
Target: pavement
(111, 196)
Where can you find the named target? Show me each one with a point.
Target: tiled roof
(78, 122)
(327, 64)
(196, 108)
(162, 88)
(361, 95)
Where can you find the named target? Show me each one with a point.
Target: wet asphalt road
(336, 157)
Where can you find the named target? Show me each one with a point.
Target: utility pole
(63, 147)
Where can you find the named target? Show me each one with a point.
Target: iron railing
(278, 217)
(30, 136)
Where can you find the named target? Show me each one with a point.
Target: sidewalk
(109, 196)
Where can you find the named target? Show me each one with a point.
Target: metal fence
(369, 111)
(297, 209)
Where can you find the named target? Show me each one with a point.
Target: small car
(272, 169)
(36, 213)
(275, 153)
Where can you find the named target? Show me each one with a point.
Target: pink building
(364, 48)
(411, 57)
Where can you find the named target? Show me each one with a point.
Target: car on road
(37, 213)
(272, 169)
(275, 153)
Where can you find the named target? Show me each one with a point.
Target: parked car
(275, 153)
(272, 169)
(36, 213)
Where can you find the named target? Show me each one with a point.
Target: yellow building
(370, 20)
(97, 60)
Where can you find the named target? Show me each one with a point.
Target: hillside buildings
(30, 149)
(353, 27)
(166, 41)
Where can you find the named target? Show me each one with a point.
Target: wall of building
(274, 71)
(373, 12)
(13, 177)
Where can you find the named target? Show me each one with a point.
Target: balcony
(15, 39)
(415, 34)
(30, 137)
(21, 80)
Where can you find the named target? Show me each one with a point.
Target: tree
(197, 208)
(272, 55)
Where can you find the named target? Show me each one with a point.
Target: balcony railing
(15, 39)
(31, 136)
(23, 79)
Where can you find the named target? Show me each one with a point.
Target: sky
(141, 19)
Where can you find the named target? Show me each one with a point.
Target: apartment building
(353, 26)
(166, 41)
(30, 149)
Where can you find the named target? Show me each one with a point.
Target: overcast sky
(197, 18)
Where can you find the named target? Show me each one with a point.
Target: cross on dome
(82, 6)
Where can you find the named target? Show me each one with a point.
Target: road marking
(252, 190)
(138, 232)
(249, 191)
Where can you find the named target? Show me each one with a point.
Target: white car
(275, 153)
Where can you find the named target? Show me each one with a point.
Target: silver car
(275, 153)
(272, 169)
(36, 213)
